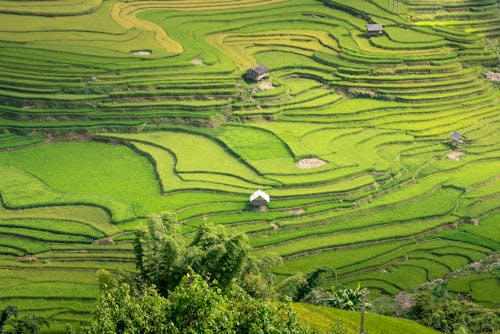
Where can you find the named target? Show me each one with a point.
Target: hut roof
(456, 135)
(260, 193)
(374, 27)
(260, 69)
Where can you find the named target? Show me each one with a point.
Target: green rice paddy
(113, 110)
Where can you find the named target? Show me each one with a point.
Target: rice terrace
(372, 126)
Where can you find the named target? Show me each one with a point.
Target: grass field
(328, 320)
(113, 110)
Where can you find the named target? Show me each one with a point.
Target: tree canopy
(10, 323)
(188, 285)
(164, 256)
(194, 306)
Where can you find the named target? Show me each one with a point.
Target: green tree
(160, 252)
(316, 279)
(6, 313)
(194, 306)
(11, 324)
(164, 257)
(126, 309)
(452, 315)
(216, 254)
(257, 278)
(190, 286)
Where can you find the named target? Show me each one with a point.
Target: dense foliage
(194, 306)
(164, 257)
(322, 288)
(453, 315)
(10, 323)
(177, 289)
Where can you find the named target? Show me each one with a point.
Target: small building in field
(374, 29)
(259, 199)
(257, 73)
(457, 137)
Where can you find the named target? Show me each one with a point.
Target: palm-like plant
(346, 298)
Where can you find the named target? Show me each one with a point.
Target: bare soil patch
(297, 211)
(314, 16)
(104, 242)
(493, 76)
(266, 85)
(28, 259)
(68, 137)
(197, 61)
(142, 53)
(454, 155)
(275, 226)
(310, 163)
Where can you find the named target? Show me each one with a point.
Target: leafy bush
(452, 315)
(194, 306)
(347, 298)
(11, 324)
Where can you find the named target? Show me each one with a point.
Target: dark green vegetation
(452, 315)
(181, 288)
(445, 303)
(327, 320)
(163, 257)
(193, 306)
(388, 208)
(10, 323)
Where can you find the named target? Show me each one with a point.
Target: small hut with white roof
(259, 199)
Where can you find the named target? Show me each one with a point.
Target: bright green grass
(41, 235)
(345, 185)
(89, 255)
(94, 217)
(254, 144)
(58, 266)
(336, 259)
(385, 181)
(27, 275)
(97, 173)
(405, 35)
(400, 275)
(487, 228)
(12, 140)
(299, 85)
(165, 164)
(434, 269)
(437, 204)
(64, 227)
(202, 209)
(52, 289)
(349, 237)
(98, 33)
(486, 290)
(206, 155)
(421, 249)
(25, 246)
(324, 319)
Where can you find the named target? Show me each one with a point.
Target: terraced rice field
(113, 110)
